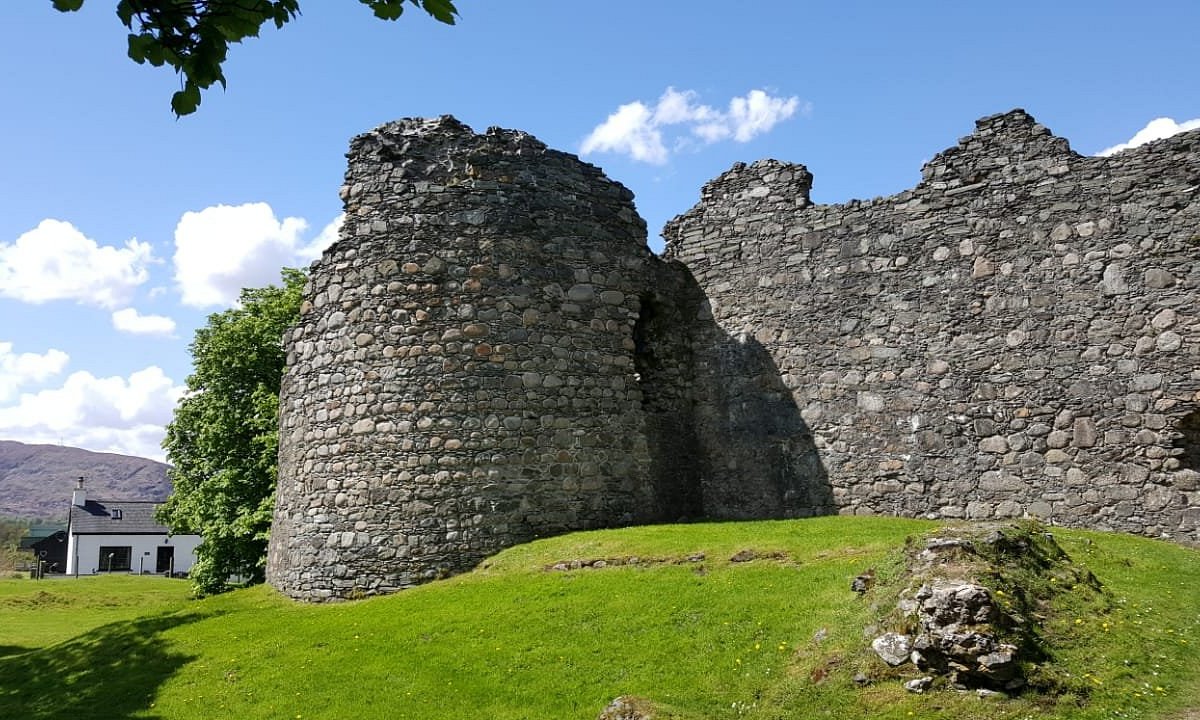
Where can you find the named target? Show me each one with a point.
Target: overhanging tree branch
(193, 36)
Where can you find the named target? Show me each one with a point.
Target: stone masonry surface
(490, 352)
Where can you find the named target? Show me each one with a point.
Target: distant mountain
(36, 480)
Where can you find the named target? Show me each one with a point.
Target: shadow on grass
(113, 671)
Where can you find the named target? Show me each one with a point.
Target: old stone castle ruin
(491, 353)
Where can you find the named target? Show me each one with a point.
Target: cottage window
(116, 514)
(114, 558)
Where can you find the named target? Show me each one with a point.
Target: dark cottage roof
(41, 541)
(116, 517)
(38, 533)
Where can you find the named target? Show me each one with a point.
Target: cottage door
(166, 559)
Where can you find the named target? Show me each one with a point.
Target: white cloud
(758, 112)
(631, 130)
(638, 130)
(55, 261)
(222, 249)
(129, 320)
(328, 236)
(112, 414)
(17, 371)
(680, 107)
(1157, 129)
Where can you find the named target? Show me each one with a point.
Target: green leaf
(67, 5)
(155, 55)
(386, 9)
(140, 46)
(442, 10)
(186, 100)
(125, 13)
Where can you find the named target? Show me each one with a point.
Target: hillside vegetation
(36, 480)
(731, 620)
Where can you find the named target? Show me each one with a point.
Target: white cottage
(122, 536)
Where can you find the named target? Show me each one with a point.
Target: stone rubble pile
(957, 628)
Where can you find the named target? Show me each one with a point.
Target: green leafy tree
(11, 532)
(224, 437)
(193, 36)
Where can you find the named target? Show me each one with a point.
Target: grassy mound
(726, 620)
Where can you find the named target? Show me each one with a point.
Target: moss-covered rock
(969, 601)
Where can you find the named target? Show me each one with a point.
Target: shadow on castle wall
(726, 437)
(760, 458)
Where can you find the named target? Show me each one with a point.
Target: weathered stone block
(995, 444)
(1085, 434)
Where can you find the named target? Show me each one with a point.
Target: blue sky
(121, 227)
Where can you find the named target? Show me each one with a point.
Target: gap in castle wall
(1187, 444)
(662, 366)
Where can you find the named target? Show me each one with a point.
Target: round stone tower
(463, 376)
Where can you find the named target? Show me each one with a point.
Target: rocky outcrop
(954, 619)
(955, 636)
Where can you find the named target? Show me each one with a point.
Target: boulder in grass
(627, 707)
(893, 648)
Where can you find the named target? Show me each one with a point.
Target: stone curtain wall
(491, 353)
(1019, 334)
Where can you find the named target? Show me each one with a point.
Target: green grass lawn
(776, 637)
(38, 614)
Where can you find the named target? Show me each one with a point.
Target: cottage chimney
(79, 495)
